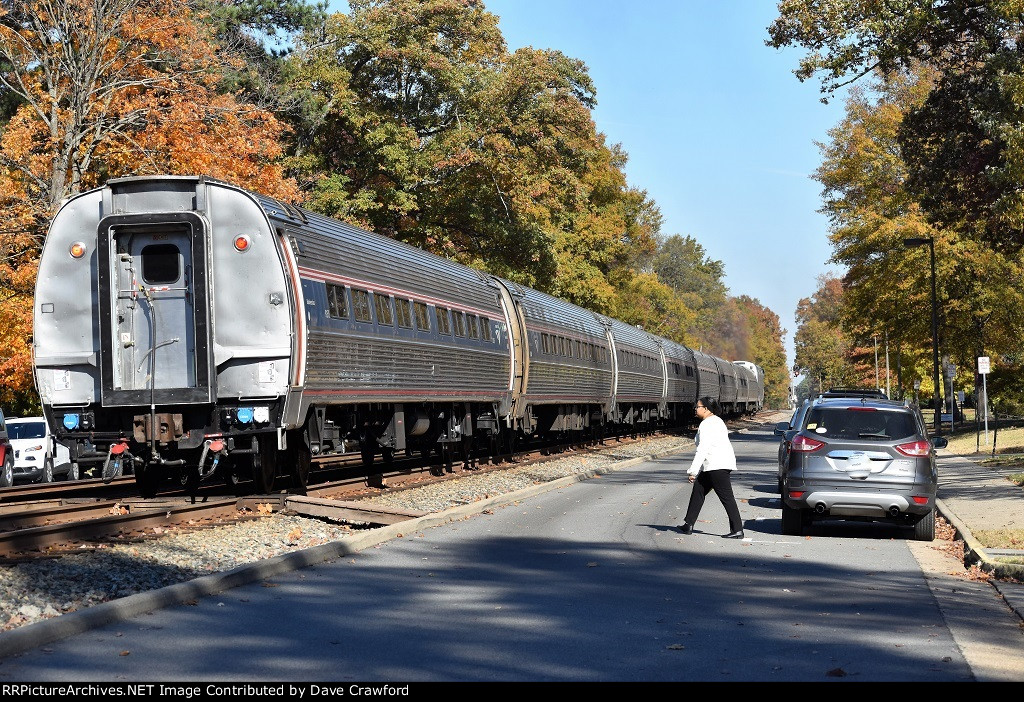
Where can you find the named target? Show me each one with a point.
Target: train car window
(422, 316)
(361, 305)
(403, 312)
(160, 264)
(337, 302)
(579, 349)
(485, 328)
(444, 322)
(689, 372)
(382, 303)
(544, 342)
(563, 345)
(459, 320)
(471, 327)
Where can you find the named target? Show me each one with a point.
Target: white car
(37, 455)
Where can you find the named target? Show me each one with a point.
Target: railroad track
(48, 520)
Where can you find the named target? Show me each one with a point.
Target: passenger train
(186, 328)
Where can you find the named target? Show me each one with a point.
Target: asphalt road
(589, 582)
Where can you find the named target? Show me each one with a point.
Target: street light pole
(936, 400)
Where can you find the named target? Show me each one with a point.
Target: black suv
(861, 458)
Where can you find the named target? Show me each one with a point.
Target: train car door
(155, 336)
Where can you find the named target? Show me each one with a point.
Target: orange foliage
(151, 103)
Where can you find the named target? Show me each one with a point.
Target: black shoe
(734, 535)
(685, 528)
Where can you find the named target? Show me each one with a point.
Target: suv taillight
(805, 444)
(914, 448)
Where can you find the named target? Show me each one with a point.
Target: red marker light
(77, 250)
(242, 242)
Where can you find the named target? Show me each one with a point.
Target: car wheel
(924, 528)
(47, 476)
(7, 475)
(792, 521)
(72, 471)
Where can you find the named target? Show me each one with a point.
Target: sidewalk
(973, 497)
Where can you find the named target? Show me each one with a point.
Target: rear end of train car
(165, 336)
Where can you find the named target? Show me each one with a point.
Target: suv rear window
(860, 423)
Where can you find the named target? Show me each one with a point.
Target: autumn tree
(872, 211)
(105, 88)
(962, 145)
(420, 125)
(683, 264)
(822, 348)
(764, 347)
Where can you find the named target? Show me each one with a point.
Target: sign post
(950, 369)
(983, 369)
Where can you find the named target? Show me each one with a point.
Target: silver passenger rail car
(187, 328)
(639, 389)
(755, 386)
(570, 372)
(681, 381)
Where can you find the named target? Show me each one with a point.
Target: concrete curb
(48, 630)
(974, 552)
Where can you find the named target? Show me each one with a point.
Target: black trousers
(721, 482)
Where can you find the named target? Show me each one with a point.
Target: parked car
(37, 455)
(785, 431)
(861, 459)
(854, 392)
(6, 456)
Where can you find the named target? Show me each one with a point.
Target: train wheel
(264, 465)
(493, 443)
(229, 473)
(367, 452)
(188, 479)
(299, 459)
(387, 454)
(446, 457)
(147, 479)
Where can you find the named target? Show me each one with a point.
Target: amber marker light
(77, 249)
(242, 242)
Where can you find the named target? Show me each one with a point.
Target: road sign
(983, 365)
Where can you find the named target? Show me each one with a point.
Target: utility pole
(888, 389)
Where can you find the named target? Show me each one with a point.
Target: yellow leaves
(264, 508)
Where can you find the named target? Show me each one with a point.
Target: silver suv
(864, 459)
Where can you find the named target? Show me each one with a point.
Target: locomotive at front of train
(164, 336)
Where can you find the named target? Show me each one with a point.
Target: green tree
(963, 146)
(887, 286)
(683, 264)
(418, 124)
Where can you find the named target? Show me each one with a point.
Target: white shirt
(714, 452)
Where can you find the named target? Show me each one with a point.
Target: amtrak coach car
(186, 328)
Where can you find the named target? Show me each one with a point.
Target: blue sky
(719, 131)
